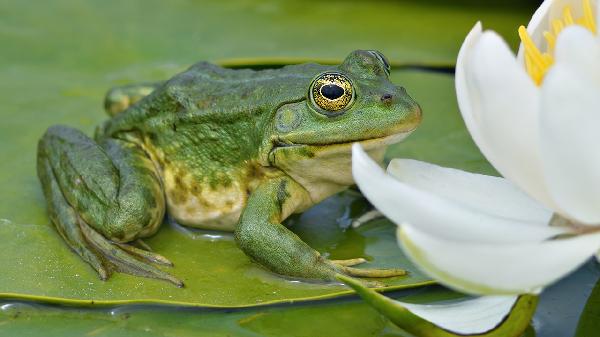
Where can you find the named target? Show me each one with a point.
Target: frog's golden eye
(331, 93)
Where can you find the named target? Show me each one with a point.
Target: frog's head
(353, 102)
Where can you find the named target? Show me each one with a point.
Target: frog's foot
(349, 262)
(125, 258)
(373, 272)
(345, 266)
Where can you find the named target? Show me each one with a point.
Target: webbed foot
(125, 258)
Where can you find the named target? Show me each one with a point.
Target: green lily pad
(37, 265)
(349, 318)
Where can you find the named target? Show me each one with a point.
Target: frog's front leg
(101, 195)
(261, 236)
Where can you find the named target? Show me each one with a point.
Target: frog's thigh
(111, 185)
(99, 191)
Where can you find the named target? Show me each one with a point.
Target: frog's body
(208, 137)
(235, 150)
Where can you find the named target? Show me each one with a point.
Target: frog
(214, 148)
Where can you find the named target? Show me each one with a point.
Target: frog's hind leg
(100, 196)
(118, 99)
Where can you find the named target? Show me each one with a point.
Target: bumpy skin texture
(236, 150)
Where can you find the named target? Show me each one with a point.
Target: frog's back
(203, 128)
(206, 92)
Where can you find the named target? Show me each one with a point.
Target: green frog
(221, 149)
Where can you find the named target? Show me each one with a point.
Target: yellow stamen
(568, 16)
(550, 39)
(588, 16)
(534, 60)
(558, 26)
(538, 63)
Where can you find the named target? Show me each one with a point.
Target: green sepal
(514, 324)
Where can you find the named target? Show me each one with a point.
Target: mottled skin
(235, 150)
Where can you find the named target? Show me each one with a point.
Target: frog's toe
(374, 272)
(349, 262)
(367, 283)
(145, 254)
(346, 266)
(128, 259)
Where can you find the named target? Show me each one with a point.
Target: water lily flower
(535, 117)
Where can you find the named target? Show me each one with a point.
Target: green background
(58, 58)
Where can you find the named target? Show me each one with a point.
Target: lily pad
(349, 318)
(37, 265)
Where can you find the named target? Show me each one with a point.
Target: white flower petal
(578, 49)
(449, 218)
(570, 126)
(474, 316)
(463, 91)
(491, 195)
(500, 104)
(483, 268)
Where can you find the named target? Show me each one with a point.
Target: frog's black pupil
(332, 91)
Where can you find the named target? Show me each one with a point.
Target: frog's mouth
(368, 144)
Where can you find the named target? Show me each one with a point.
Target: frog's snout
(390, 96)
(406, 108)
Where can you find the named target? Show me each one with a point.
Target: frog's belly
(205, 207)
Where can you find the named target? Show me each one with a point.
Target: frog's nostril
(386, 98)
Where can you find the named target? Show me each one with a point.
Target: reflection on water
(199, 234)
(561, 305)
(327, 226)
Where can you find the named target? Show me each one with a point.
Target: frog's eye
(331, 93)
